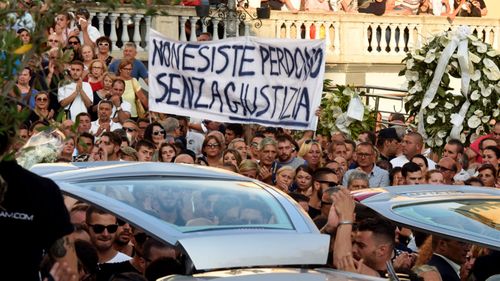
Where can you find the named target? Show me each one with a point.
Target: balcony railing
(350, 38)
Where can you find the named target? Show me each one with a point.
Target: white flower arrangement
(334, 112)
(43, 147)
(443, 109)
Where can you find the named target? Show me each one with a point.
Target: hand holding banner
(272, 82)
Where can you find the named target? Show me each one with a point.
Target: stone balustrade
(350, 38)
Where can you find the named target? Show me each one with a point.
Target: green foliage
(483, 92)
(334, 102)
(14, 56)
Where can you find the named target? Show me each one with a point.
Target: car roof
(465, 213)
(231, 247)
(278, 274)
(77, 171)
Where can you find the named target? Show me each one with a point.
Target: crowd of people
(451, 8)
(106, 119)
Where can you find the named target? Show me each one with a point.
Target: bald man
(184, 158)
(448, 167)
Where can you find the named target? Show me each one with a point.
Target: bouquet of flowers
(43, 147)
(440, 113)
(342, 110)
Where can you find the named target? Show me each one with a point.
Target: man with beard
(268, 149)
(286, 156)
(109, 146)
(75, 97)
(122, 239)
(129, 245)
(167, 206)
(104, 122)
(102, 229)
(323, 179)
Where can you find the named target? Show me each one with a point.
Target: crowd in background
(106, 119)
(466, 8)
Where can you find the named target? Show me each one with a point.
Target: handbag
(141, 110)
(67, 112)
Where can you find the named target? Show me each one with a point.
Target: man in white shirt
(76, 96)
(412, 144)
(121, 108)
(87, 33)
(447, 257)
(104, 122)
(102, 231)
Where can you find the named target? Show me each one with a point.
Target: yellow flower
(23, 49)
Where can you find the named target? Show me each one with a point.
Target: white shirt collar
(456, 267)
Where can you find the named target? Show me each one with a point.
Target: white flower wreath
(441, 114)
(337, 105)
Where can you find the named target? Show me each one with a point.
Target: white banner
(272, 82)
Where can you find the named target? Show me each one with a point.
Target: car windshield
(472, 217)
(192, 204)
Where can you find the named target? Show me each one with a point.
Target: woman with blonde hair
(101, 94)
(231, 156)
(434, 177)
(249, 168)
(311, 151)
(284, 178)
(87, 54)
(97, 69)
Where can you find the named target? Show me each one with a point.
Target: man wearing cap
(388, 143)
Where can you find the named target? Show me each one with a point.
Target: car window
(471, 217)
(193, 205)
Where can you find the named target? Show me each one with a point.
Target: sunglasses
(311, 141)
(141, 237)
(160, 132)
(120, 222)
(330, 183)
(73, 43)
(213, 145)
(103, 44)
(130, 130)
(99, 228)
(42, 99)
(443, 169)
(53, 40)
(324, 203)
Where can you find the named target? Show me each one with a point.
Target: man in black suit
(448, 256)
